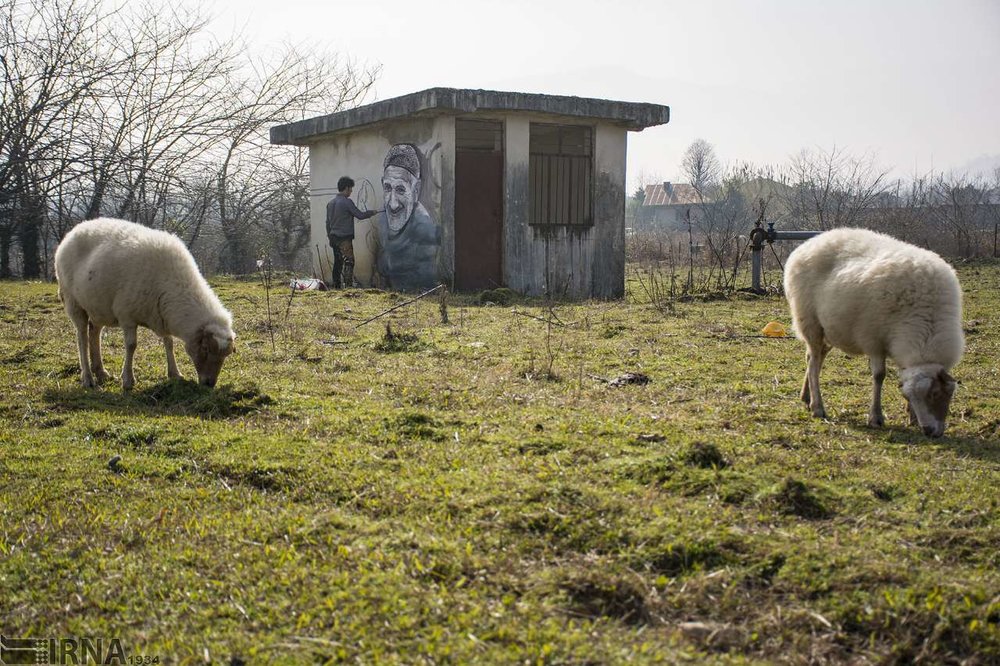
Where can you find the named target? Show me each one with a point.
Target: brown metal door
(478, 220)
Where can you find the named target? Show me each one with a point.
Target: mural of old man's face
(409, 239)
(400, 189)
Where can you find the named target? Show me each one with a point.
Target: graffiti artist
(340, 215)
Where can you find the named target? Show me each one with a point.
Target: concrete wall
(360, 154)
(566, 261)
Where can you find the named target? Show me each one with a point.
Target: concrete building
(481, 189)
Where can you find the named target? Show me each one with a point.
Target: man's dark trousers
(343, 261)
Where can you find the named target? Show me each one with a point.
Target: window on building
(478, 136)
(561, 169)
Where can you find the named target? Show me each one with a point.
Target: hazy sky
(915, 82)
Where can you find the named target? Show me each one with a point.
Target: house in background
(480, 188)
(665, 207)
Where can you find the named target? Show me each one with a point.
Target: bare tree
(47, 69)
(901, 210)
(139, 113)
(743, 193)
(701, 167)
(959, 209)
(250, 173)
(158, 114)
(284, 225)
(833, 189)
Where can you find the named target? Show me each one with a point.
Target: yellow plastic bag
(774, 330)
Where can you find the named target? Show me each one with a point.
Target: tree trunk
(97, 199)
(5, 255)
(236, 258)
(28, 237)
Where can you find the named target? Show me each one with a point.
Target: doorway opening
(479, 165)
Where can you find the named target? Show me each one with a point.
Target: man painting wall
(408, 239)
(340, 215)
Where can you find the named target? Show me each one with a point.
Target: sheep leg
(168, 346)
(80, 320)
(814, 362)
(876, 419)
(804, 395)
(131, 342)
(96, 359)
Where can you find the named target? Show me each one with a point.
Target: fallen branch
(542, 319)
(399, 305)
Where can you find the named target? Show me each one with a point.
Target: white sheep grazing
(117, 273)
(868, 293)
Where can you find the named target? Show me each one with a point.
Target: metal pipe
(791, 235)
(755, 263)
(759, 236)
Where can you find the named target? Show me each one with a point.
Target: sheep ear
(948, 382)
(223, 344)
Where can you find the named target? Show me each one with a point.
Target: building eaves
(631, 115)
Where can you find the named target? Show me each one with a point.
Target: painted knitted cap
(403, 155)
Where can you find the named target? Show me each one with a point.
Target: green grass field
(477, 492)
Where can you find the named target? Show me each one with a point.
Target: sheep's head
(928, 390)
(208, 349)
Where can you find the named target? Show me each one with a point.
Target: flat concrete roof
(454, 101)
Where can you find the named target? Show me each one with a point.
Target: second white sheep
(868, 293)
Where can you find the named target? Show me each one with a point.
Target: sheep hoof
(87, 382)
(819, 413)
(101, 376)
(876, 421)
